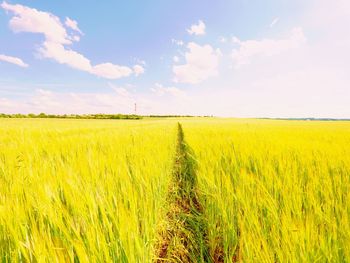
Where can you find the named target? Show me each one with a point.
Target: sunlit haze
(225, 58)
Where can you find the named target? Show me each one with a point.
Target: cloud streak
(274, 22)
(13, 60)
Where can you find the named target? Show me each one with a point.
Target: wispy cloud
(274, 22)
(177, 42)
(13, 60)
(72, 24)
(160, 91)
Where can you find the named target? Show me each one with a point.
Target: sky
(230, 58)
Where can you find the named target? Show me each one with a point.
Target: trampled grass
(107, 191)
(274, 191)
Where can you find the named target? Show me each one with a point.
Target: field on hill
(153, 190)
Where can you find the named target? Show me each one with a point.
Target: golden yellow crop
(274, 191)
(82, 189)
(133, 191)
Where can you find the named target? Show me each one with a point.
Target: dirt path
(184, 240)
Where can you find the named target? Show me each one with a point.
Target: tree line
(73, 116)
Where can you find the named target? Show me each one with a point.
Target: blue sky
(228, 58)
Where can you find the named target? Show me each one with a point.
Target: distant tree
(73, 116)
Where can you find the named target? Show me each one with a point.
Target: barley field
(82, 190)
(174, 190)
(274, 191)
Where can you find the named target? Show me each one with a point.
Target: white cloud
(7, 105)
(331, 12)
(329, 21)
(32, 20)
(235, 40)
(72, 24)
(76, 60)
(123, 92)
(44, 98)
(289, 77)
(13, 60)
(111, 71)
(160, 91)
(201, 63)
(140, 61)
(138, 70)
(76, 38)
(121, 100)
(222, 40)
(176, 59)
(274, 22)
(197, 29)
(56, 38)
(177, 42)
(250, 49)
(301, 93)
(59, 53)
(69, 102)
